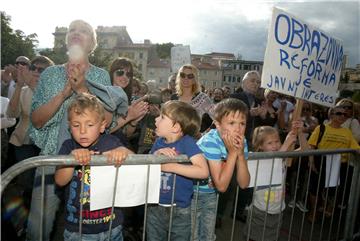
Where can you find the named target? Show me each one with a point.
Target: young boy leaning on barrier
(87, 123)
(225, 149)
(176, 128)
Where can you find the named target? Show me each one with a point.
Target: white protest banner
(131, 186)
(301, 60)
(180, 55)
(264, 174)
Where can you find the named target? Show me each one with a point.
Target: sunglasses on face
(122, 72)
(38, 69)
(21, 63)
(187, 76)
(340, 113)
(306, 109)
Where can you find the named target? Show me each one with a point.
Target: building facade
(215, 69)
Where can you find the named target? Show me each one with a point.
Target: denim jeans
(205, 216)
(159, 219)
(116, 235)
(51, 204)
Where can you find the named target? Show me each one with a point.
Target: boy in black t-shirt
(86, 117)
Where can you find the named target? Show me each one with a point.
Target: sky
(230, 26)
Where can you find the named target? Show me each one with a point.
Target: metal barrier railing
(352, 202)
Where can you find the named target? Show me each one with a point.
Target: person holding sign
(269, 200)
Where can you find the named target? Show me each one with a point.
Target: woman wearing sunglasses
(121, 74)
(351, 122)
(19, 107)
(334, 136)
(188, 89)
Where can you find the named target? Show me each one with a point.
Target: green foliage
(15, 43)
(356, 96)
(57, 55)
(164, 50)
(100, 58)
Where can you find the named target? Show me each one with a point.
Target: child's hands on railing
(83, 156)
(117, 156)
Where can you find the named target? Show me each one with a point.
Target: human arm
(41, 115)
(63, 175)
(221, 172)
(242, 174)
(198, 169)
(355, 129)
(14, 104)
(136, 112)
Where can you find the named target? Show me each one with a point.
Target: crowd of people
(82, 110)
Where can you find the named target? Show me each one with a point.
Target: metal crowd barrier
(341, 225)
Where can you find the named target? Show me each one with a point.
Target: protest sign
(131, 188)
(301, 60)
(180, 55)
(266, 172)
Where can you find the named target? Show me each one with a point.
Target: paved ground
(296, 228)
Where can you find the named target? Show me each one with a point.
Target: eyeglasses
(38, 69)
(21, 63)
(122, 72)
(188, 76)
(306, 109)
(340, 113)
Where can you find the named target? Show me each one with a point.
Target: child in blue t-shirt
(176, 128)
(87, 123)
(225, 149)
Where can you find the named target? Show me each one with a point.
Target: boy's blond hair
(85, 101)
(227, 106)
(260, 134)
(184, 114)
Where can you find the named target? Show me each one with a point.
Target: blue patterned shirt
(214, 149)
(52, 81)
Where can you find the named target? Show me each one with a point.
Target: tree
(164, 50)
(15, 43)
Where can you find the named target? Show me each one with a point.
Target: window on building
(246, 67)
(140, 67)
(141, 55)
(233, 79)
(224, 78)
(214, 84)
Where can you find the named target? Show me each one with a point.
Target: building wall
(159, 74)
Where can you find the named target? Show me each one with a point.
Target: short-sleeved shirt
(93, 221)
(52, 81)
(184, 186)
(334, 138)
(272, 199)
(214, 149)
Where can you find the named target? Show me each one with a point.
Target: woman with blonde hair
(188, 89)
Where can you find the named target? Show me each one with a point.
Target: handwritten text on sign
(301, 61)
